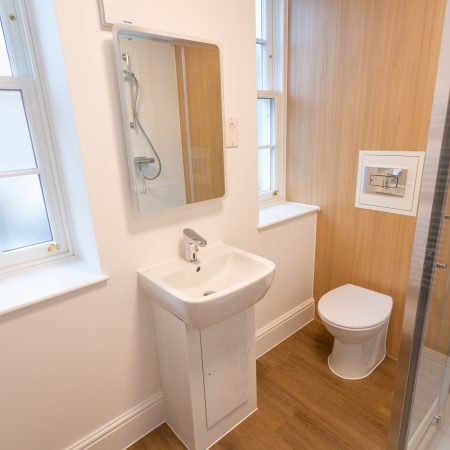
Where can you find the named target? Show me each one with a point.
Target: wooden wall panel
(205, 121)
(361, 76)
(201, 125)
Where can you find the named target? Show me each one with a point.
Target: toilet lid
(351, 306)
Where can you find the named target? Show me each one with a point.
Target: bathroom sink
(221, 283)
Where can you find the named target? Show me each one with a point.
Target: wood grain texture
(199, 88)
(302, 405)
(361, 76)
(204, 99)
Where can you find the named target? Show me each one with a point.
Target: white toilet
(358, 319)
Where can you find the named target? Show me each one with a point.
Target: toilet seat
(353, 307)
(358, 319)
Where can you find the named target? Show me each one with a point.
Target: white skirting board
(127, 428)
(275, 332)
(135, 423)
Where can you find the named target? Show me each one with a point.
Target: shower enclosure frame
(424, 263)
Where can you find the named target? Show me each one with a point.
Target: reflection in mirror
(172, 109)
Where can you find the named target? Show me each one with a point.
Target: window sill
(282, 211)
(25, 288)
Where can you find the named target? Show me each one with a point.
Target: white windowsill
(24, 288)
(282, 211)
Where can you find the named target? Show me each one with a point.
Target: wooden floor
(302, 405)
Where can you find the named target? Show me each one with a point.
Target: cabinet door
(225, 367)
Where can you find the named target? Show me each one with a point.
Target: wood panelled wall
(199, 87)
(361, 76)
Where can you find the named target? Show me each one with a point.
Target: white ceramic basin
(229, 281)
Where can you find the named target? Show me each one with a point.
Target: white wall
(72, 364)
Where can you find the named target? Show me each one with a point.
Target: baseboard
(129, 427)
(270, 335)
(135, 423)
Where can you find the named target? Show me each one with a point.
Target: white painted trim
(275, 332)
(32, 90)
(277, 48)
(411, 160)
(127, 428)
(103, 19)
(25, 288)
(135, 423)
(281, 211)
(278, 145)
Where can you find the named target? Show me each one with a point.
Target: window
(270, 81)
(32, 224)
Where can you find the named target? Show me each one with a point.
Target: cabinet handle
(441, 265)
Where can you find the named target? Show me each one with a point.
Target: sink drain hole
(208, 293)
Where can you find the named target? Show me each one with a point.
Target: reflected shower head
(129, 75)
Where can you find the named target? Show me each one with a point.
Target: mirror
(171, 96)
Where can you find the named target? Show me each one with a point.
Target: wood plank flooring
(302, 405)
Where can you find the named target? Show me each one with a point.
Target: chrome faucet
(192, 241)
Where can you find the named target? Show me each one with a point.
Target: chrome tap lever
(192, 235)
(192, 242)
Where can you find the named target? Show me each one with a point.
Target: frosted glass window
(31, 216)
(265, 169)
(266, 144)
(23, 215)
(5, 66)
(16, 148)
(270, 42)
(265, 120)
(261, 67)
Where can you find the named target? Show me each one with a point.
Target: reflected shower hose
(136, 123)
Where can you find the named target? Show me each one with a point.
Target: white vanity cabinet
(203, 315)
(208, 376)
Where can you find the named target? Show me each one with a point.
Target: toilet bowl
(358, 318)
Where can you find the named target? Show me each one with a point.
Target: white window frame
(278, 145)
(268, 7)
(276, 63)
(27, 81)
